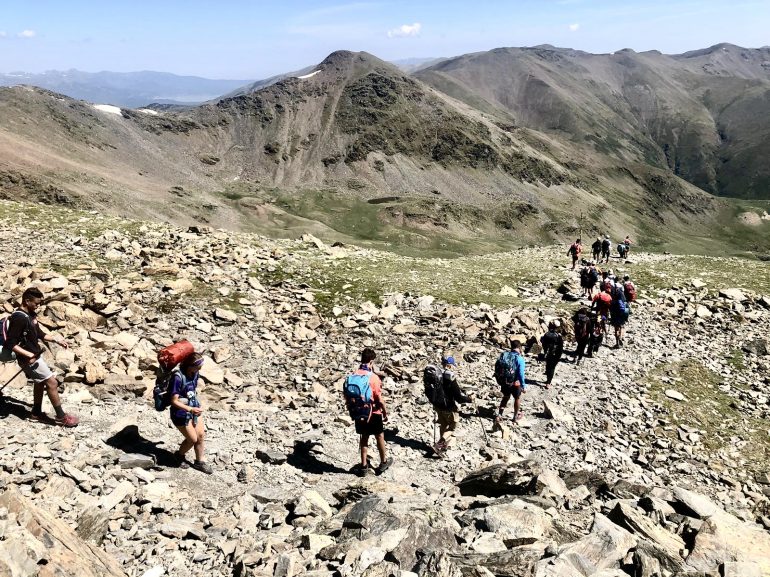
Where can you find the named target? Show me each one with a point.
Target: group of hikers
(601, 249)
(176, 386)
(20, 336)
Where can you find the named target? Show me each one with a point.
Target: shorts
(515, 392)
(619, 319)
(371, 427)
(448, 419)
(38, 371)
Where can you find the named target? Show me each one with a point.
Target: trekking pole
(481, 422)
(435, 422)
(10, 380)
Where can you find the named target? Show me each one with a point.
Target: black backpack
(582, 327)
(433, 380)
(161, 392)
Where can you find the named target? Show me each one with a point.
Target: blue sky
(250, 40)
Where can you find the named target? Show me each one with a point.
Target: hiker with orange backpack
(21, 336)
(362, 392)
(186, 412)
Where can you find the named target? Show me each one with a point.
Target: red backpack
(630, 291)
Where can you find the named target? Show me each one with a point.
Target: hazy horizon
(255, 40)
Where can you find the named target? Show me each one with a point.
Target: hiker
(187, 413)
(23, 339)
(596, 248)
(589, 276)
(583, 328)
(629, 289)
(602, 302)
(553, 347)
(606, 247)
(598, 328)
(445, 404)
(619, 313)
(575, 249)
(509, 373)
(627, 243)
(622, 251)
(368, 410)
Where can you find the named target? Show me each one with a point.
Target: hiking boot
(382, 467)
(67, 421)
(181, 462)
(203, 467)
(40, 418)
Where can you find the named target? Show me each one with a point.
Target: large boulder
(603, 548)
(722, 538)
(501, 479)
(61, 313)
(405, 524)
(36, 544)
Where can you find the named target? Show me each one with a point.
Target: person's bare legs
(190, 435)
(363, 444)
(200, 444)
(381, 448)
(51, 388)
(503, 404)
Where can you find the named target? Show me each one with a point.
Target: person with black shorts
(374, 425)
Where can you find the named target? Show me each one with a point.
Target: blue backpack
(619, 300)
(507, 368)
(358, 397)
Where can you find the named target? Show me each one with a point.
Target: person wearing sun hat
(187, 413)
(448, 415)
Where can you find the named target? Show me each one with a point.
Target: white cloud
(574, 27)
(3, 34)
(27, 34)
(405, 31)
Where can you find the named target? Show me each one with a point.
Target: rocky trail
(650, 460)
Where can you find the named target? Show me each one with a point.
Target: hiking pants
(550, 367)
(581, 349)
(447, 422)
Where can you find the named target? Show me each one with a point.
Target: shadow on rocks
(304, 457)
(10, 406)
(392, 436)
(130, 441)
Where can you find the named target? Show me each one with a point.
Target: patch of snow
(306, 76)
(148, 111)
(108, 108)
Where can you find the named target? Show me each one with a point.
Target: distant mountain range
(128, 89)
(477, 152)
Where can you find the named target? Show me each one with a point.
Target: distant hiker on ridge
(575, 249)
(596, 248)
(22, 338)
(606, 248)
(363, 397)
(589, 276)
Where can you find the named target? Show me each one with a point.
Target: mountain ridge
(416, 165)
